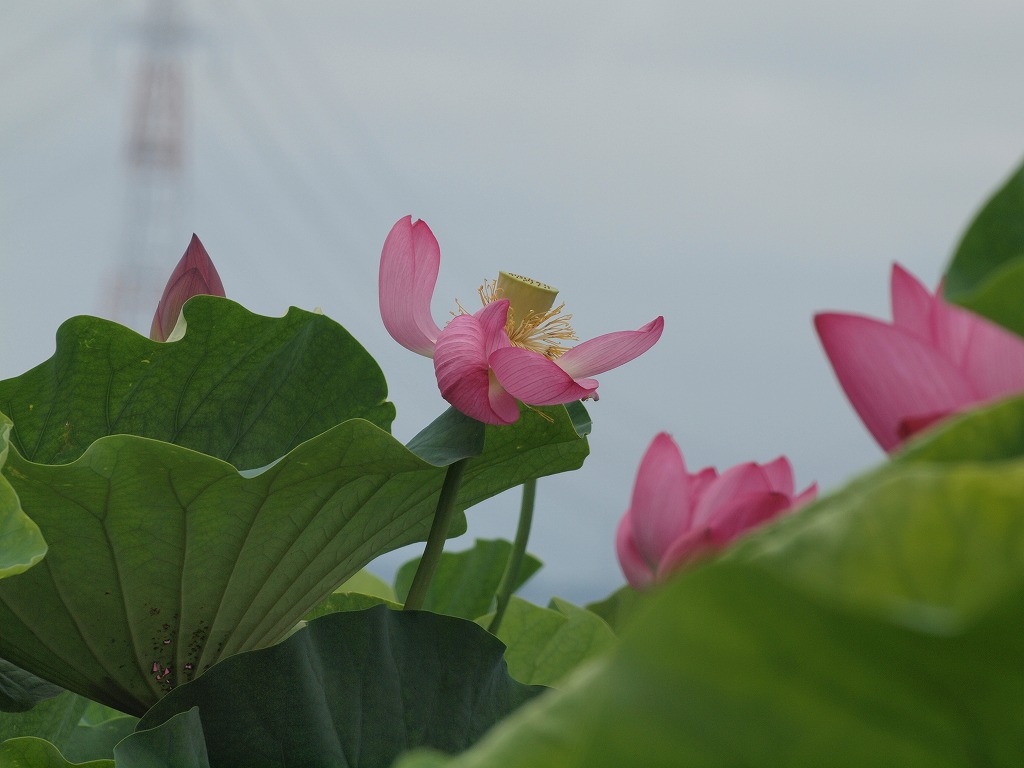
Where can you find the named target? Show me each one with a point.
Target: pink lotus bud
(195, 275)
(933, 360)
(676, 517)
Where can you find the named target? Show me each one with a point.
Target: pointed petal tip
(603, 353)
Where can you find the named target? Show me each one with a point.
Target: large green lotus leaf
(879, 626)
(162, 560)
(70, 723)
(97, 742)
(241, 387)
(619, 608)
(545, 644)
(451, 436)
(54, 719)
(992, 242)
(20, 690)
(21, 543)
(177, 742)
(350, 690)
(733, 666)
(31, 752)
(366, 583)
(992, 433)
(932, 537)
(465, 582)
(348, 601)
(363, 590)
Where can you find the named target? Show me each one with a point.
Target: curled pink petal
(534, 379)
(194, 275)
(611, 350)
(409, 263)
(463, 374)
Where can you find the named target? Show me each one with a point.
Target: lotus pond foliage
(186, 523)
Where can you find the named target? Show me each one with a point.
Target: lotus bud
(193, 276)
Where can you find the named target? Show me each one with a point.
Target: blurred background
(733, 166)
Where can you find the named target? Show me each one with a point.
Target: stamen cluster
(541, 332)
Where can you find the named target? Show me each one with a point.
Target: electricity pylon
(153, 234)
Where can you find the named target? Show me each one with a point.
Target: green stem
(443, 515)
(515, 558)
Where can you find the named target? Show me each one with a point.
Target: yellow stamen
(540, 331)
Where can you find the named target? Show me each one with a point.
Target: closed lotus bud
(195, 275)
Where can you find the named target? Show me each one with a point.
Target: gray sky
(734, 167)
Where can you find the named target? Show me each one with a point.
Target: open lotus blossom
(676, 517)
(193, 276)
(511, 349)
(933, 360)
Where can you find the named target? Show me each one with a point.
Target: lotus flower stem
(515, 558)
(443, 515)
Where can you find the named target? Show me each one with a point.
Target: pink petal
(994, 360)
(689, 547)
(780, 475)
(194, 275)
(610, 350)
(953, 331)
(991, 357)
(921, 313)
(700, 482)
(889, 374)
(409, 264)
(947, 328)
(535, 379)
(638, 573)
(738, 516)
(806, 496)
(744, 513)
(743, 480)
(911, 425)
(660, 507)
(463, 375)
(912, 303)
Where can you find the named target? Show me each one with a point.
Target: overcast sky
(733, 166)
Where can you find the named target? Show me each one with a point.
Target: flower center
(532, 322)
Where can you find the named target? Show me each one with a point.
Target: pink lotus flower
(933, 360)
(194, 275)
(676, 517)
(510, 349)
